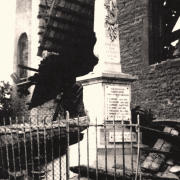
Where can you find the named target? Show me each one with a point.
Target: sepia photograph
(90, 90)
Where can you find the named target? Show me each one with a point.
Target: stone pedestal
(107, 98)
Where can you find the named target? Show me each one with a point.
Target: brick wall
(158, 86)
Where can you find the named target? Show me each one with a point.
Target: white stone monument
(107, 91)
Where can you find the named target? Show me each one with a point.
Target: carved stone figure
(111, 19)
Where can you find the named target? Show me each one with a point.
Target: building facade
(51, 26)
(145, 51)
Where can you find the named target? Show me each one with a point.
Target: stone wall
(130, 20)
(159, 89)
(26, 22)
(158, 86)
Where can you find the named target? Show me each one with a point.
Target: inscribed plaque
(117, 102)
(118, 137)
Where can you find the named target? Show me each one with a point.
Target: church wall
(158, 86)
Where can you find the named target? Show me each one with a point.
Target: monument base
(98, 91)
(107, 97)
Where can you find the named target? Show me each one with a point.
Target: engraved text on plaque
(117, 102)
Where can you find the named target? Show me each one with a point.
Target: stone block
(173, 63)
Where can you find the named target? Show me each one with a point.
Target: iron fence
(42, 151)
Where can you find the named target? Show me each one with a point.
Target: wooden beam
(162, 135)
(154, 150)
(24, 83)
(110, 173)
(28, 68)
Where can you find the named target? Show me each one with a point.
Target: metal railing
(41, 151)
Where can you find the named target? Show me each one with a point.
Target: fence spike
(114, 133)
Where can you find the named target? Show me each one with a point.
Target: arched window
(23, 54)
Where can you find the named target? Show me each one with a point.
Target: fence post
(32, 156)
(13, 149)
(123, 149)
(39, 156)
(96, 153)
(105, 147)
(52, 149)
(67, 145)
(2, 157)
(131, 150)
(79, 150)
(114, 148)
(25, 150)
(7, 152)
(45, 151)
(59, 129)
(138, 153)
(88, 153)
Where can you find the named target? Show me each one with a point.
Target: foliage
(145, 119)
(145, 116)
(5, 99)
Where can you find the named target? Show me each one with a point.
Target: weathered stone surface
(81, 178)
(158, 85)
(110, 173)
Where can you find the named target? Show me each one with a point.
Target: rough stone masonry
(158, 86)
